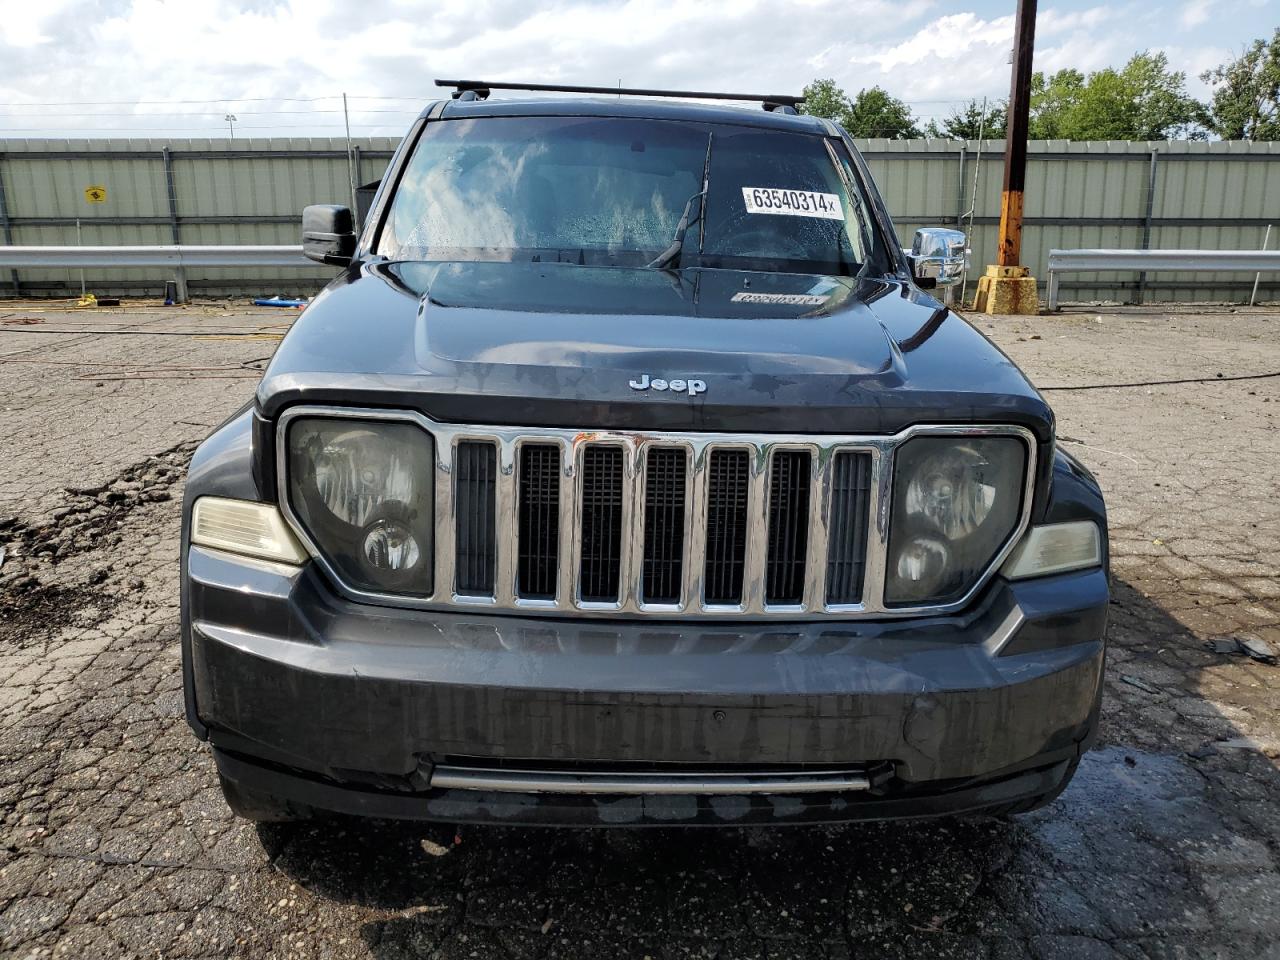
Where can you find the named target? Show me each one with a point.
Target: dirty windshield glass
(615, 191)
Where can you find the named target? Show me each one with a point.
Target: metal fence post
(1146, 225)
(6, 229)
(1266, 242)
(359, 181)
(181, 275)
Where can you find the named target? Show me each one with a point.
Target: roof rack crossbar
(481, 88)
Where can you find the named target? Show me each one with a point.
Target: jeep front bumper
(355, 708)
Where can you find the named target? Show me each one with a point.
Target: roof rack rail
(479, 90)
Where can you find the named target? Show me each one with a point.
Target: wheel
(261, 807)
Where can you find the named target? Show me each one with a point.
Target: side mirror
(937, 257)
(328, 234)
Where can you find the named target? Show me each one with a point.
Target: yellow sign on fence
(95, 194)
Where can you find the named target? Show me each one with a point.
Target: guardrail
(289, 255)
(155, 256)
(176, 256)
(1151, 261)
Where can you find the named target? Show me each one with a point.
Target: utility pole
(1008, 286)
(1015, 146)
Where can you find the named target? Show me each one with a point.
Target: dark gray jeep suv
(629, 474)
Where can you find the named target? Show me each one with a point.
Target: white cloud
(25, 25)
(1195, 13)
(215, 50)
(155, 50)
(956, 55)
(958, 37)
(1054, 22)
(1194, 61)
(964, 55)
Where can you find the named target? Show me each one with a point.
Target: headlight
(363, 491)
(955, 503)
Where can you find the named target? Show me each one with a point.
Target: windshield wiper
(669, 259)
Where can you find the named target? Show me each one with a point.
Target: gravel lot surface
(114, 839)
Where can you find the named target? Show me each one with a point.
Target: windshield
(627, 192)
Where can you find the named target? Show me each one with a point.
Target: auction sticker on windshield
(792, 203)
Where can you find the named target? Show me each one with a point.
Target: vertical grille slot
(601, 523)
(788, 526)
(664, 506)
(475, 476)
(727, 483)
(539, 522)
(847, 540)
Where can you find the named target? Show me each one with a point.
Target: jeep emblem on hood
(692, 387)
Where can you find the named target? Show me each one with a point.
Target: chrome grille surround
(698, 446)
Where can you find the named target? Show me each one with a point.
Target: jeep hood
(558, 344)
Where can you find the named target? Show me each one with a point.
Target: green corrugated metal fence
(1107, 194)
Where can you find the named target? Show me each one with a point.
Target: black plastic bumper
(346, 707)
(298, 790)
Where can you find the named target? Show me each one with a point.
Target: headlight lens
(363, 491)
(955, 503)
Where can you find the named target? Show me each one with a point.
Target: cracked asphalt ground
(114, 839)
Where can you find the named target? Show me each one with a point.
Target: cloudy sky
(137, 67)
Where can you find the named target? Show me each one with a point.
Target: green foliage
(877, 114)
(872, 113)
(822, 98)
(971, 123)
(1053, 101)
(1144, 100)
(1246, 93)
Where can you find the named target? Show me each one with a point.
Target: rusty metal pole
(1015, 147)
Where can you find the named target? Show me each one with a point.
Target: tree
(972, 123)
(823, 98)
(1246, 93)
(875, 113)
(872, 113)
(1053, 99)
(1144, 100)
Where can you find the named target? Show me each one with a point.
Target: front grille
(539, 521)
(601, 523)
(664, 495)
(788, 527)
(847, 546)
(727, 486)
(475, 485)
(741, 493)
